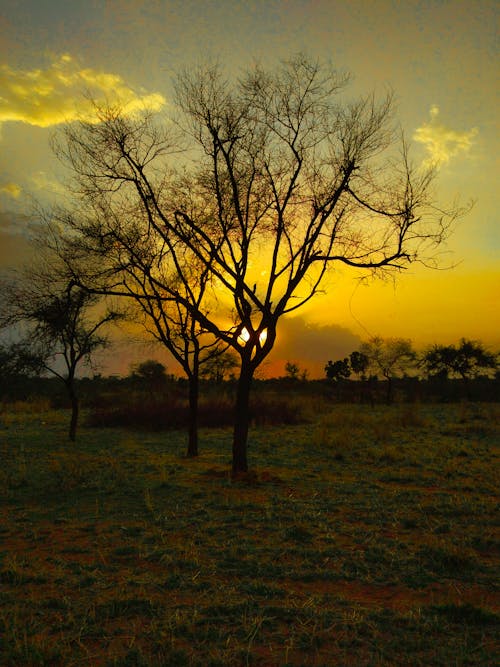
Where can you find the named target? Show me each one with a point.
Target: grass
(368, 537)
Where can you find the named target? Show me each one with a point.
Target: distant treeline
(100, 391)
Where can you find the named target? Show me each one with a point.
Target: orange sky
(439, 57)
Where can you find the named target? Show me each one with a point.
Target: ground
(368, 537)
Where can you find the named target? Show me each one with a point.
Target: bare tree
(59, 325)
(219, 365)
(172, 324)
(280, 178)
(391, 357)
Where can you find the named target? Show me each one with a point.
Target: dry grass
(369, 537)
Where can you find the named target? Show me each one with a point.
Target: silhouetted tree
(359, 364)
(217, 367)
(59, 325)
(153, 373)
(167, 296)
(280, 178)
(467, 360)
(338, 370)
(391, 357)
(292, 371)
(169, 322)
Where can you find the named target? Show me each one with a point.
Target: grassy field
(370, 537)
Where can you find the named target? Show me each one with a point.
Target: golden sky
(440, 57)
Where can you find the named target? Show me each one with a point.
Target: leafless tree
(391, 357)
(219, 366)
(169, 322)
(59, 325)
(165, 283)
(265, 182)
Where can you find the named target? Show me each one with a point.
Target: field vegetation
(363, 536)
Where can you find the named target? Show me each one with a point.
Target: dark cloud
(309, 345)
(14, 246)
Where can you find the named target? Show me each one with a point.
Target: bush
(214, 411)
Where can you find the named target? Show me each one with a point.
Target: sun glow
(244, 336)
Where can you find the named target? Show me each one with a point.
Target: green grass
(368, 537)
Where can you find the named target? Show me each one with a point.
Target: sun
(244, 336)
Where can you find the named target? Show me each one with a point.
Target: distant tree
(151, 372)
(390, 357)
(292, 370)
(359, 364)
(173, 323)
(217, 367)
(467, 360)
(338, 370)
(15, 361)
(59, 325)
(294, 373)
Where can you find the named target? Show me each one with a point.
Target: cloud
(11, 189)
(15, 248)
(45, 97)
(310, 345)
(441, 142)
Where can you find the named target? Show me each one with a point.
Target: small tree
(391, 357)
(467, 360)
(359, 364)
(338, 370)
(150, 372)
(216, 367)
(294, 373)
(59, 325)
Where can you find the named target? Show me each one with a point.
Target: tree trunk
(192, 449)
(242, 419)
(466, 384)
(389, 391)
(74, 412)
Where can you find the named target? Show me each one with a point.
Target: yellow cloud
(45, 97)
(11, 189)
(441, 142)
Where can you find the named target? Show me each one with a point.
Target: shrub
(213, 411)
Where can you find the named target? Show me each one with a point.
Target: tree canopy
(260, 184)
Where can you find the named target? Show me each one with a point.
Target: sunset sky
(439, 57)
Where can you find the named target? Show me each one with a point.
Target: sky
(439, 57)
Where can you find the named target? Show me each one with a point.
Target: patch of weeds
(125, 608)
(466, 614)
(410, 416)
(391, 454)
(126, 551)
(133, 658)
(298, 534)
(70, 471)
(448, 561)
(74, 550)
(442, 529)
(15, 572)
(55, 604)
(261, 589)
